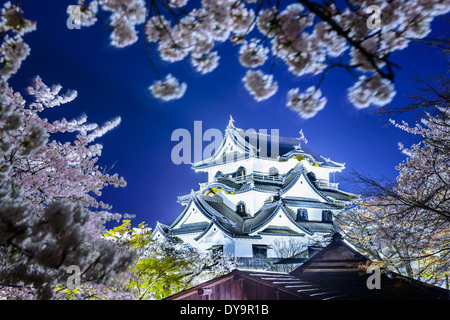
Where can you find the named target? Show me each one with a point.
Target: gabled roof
(220, 215)
(191, 202)
(287, 147)
(231, 223)
(239, 146)
(160, 229)
(298, 173)
(223, 217)
(337, 256)
(341, 269)
(264, 218)
(215, 211)
(247, 143)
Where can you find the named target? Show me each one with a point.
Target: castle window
(240, 209)
(240, 172)
(259, 251)
(327, 216)
(302, 214)
(312, 177)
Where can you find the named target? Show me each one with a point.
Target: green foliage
(162, 268)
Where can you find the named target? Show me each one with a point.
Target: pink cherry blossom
(50, 217)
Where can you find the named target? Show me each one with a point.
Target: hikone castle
(256, 200)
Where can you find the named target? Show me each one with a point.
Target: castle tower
(263, 192)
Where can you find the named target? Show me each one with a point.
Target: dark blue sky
(114, 82)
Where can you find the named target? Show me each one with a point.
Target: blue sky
(114, 82)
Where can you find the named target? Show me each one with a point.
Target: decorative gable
(191, 215)
(302, 187)
(279, 219)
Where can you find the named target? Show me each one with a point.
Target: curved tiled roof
(249, 142)
(214, 209)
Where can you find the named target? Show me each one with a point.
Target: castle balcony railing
(261, 176)
(254, 263)
(256, 175)
(325, 184)
(203, 184)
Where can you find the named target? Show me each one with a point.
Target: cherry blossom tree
(50, 214)
(294, 249)
(13, 50)
(50, 217)
(405, 225)
(310, 38)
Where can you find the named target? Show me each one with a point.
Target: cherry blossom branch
(147, 44)
(196, 32)
(316, 9)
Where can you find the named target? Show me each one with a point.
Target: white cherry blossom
(309, 37)
(124, 34)
(50, 215)
(13, 52)
(307, 104)
(169, 89)
(157, 28)
(206, 63)
(252, 54)
(374, 91)
(260, 85)
(87, 13)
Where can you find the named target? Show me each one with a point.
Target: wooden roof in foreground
(337, 272)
